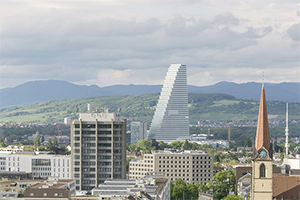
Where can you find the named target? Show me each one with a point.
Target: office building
(40, 165)
(171, 118)
(138, 131)
(98, 141)
(190, 166)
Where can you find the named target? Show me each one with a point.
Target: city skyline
(131, 42)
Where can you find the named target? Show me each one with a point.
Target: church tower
(262, 164)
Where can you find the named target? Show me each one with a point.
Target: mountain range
(39, 91)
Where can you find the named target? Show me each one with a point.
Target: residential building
(190, 166)
(36, 188)
(151, 187)
(51, 189)
(35, 135)
(98, 141)
(171, 118)
(8, 188)
(40, 165)
(138, 131)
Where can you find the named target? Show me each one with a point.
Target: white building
(292, 163)
(171, 117)
(40, 165)
(190, 166)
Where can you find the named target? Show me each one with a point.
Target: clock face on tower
(262, 153)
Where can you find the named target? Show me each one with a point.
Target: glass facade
(171, 117)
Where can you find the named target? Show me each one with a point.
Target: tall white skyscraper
(171, 117)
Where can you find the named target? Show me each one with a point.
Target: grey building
(98, 141)
(138, 131)
(171, 117)
(153, 187)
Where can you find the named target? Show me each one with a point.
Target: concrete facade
(98, 141)
(190, 166)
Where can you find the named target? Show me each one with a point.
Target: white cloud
(135, 42)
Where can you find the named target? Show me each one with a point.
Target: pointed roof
(262, 138)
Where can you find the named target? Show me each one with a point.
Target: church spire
(262, 138)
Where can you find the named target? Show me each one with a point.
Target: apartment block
(40, 165)
(98, 141)
(190, 166)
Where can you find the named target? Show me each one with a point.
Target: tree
(37, 141)
(132, 148)
(233, 197)
(248, 142)
(217, 164)
(49, 145)
(180, 189)
(144, 145)
(55, 141)
(186, 145)
(162, 145)
(222, 183)
(249, 160)
(175, 144)
(128, 159)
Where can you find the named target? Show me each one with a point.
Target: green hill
(214, 107)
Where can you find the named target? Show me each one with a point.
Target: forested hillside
(214, 107)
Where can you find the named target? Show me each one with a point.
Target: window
(45, 194)
(31, 194)
(262, 171)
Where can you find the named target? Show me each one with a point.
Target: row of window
(99, 138)
(94, 126)
(184, 157)
(46, 194)
(172, 161)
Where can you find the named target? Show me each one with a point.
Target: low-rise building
(190, 166)
(8, 188)
(51, 189)
(151, 187)
(40, 165)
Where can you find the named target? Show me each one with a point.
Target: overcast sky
(108, 42)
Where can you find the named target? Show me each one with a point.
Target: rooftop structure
(171, 118)
(53, 188)
(155, 188)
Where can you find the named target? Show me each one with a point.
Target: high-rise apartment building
(138, 131)
(171, 117)
(190, 166)
(98, 142)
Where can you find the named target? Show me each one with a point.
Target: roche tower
(171, 117)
